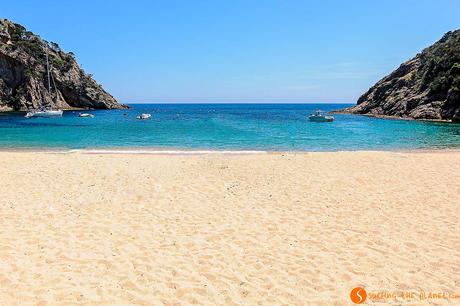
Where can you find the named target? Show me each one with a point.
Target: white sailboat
(44, 111)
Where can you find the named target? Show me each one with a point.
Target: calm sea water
(224, 127)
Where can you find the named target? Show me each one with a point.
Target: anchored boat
(144, 116)
(320, 116)
(85, 115)
(43, 111)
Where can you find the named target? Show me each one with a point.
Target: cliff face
(23, 81)
(425, 87)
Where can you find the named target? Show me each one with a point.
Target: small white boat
(85, 115)
(144, 116)
(44, 113)
(319, 116)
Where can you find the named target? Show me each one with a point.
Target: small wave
(168, 152)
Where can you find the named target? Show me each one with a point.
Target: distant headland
(425, 87)
(23, 74)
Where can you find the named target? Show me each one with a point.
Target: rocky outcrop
(425, 87)
(23, 77)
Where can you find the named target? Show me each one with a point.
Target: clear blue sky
(238, 50)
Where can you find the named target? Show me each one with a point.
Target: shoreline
(70, 109)
(173, 151)
(390, 117)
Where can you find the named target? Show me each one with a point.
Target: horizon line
(217, 102)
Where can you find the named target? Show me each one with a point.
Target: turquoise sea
(275, 127)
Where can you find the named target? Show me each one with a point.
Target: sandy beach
(222, 229)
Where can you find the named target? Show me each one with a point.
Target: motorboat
(85, 115)
(320, 116)
(144, 116)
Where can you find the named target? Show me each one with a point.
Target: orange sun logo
(358, 295)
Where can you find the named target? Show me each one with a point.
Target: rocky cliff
(425, 87)
(23, 77)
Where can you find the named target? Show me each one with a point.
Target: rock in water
(425, 87)
(23, 81)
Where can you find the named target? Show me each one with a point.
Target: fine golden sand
(215, 229)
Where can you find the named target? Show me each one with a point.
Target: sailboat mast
(48, 72)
